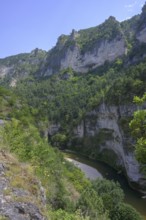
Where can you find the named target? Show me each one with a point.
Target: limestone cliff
(82, 50)
(102, 129)
(87, 49)
(141, 32)
(102, 135)
(142, 36)
(20, 66)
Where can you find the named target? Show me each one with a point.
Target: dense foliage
(64, 99)
(69, 194)
(138, 128)
(87, 39)
(67, 97)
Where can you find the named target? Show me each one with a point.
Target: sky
(29, 24)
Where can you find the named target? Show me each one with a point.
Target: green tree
(113, 200)
(138, 128)
(91, 204)
(127, 212)
(59, 140)
(111, 194)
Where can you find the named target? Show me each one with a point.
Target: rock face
(68, 51)
(105, 122)
(101, 136)
(85, 50)
(82, 50)
(105, 51)
(4, 70)
(141, 32)
(142, 36)
(17, 202)
(20, 66)
(53, 129)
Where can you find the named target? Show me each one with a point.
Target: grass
(3, 218)
(21, 178)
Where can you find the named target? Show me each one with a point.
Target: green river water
(96, 169)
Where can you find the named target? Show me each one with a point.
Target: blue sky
(29, 24)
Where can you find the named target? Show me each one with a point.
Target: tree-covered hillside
(68, 192)
(66, 98)
(91, 112)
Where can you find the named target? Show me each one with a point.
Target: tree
(112, 197)
(127, 212)
(110, 192)
(59, 140)
(91, 204)
(138, 128)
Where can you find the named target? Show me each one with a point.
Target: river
(99, 169)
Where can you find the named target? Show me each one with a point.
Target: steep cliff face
(141, 31)
(108, 139)
(4, 70)
(142, 35)
(20, 66)
(103, 51)
(82, 50)
(87, 49)
(105, 42)
(102, 136)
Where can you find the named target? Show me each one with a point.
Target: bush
(127, 212)
(91, 204)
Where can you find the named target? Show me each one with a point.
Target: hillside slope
(80, 93)
(21, 193)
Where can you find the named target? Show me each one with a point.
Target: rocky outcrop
(2, 122)
(85, 50)
(21, 195)
(103, 51)
(4, 70)
(141, 31)
(61, 58)
(101, 135)
(53, 129)
(142, 36)
(82, 50)
(104, 124)
(20, 66)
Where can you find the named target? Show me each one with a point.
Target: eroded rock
(16, 202)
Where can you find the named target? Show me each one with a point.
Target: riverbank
(132, 197)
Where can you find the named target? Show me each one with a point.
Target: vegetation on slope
(69, 195)
(138, 128)
(89, 37)
(67, 97)
(21, 65)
